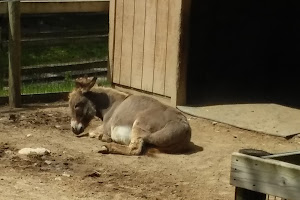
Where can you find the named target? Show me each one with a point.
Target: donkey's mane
(100, 89)
(108, 90)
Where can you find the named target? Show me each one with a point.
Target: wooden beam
(161, 38)
(266, 176)
(172, 54)
(126, 58)
(118, 29)
(162, 99)
(179, 98)
(138, 44)
(53, 6)
(290, 157)
(14, 55)
(177, 50)
(111, 40)
(149, 45)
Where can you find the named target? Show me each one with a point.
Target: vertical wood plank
(177, 51)
(14, 54)
(138, 44)
(172, 61)
(149, 45)
(111, 39)
(128, 17)
(118, 41)
(161, 47)
(179, 95)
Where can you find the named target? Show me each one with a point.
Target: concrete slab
(271, 119)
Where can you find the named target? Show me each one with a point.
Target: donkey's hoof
(92, 134)
(103, 150)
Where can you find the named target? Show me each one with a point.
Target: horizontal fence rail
(62, 6)
(61, 40)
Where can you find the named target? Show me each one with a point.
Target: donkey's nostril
(81, 130)
(77, 131)
(74, 130)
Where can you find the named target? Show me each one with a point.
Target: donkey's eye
(78, 105)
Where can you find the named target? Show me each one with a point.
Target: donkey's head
(82, 109)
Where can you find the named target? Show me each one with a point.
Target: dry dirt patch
(75, 170)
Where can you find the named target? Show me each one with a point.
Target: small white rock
(214, 123)
(92, 134)
(38, 151)
(58, 126)
(8, 152)
(66, 174)
(57, 179)
(28, 135)
(48, 162)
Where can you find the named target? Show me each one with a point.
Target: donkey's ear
(85, 83)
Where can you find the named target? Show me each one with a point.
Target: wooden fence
(15, 8)
(267, 177)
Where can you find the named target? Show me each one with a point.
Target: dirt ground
(75, 170)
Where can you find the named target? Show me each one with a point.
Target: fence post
(14, 55)
(0, 37)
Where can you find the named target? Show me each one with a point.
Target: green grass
(63, 54)
(43, 55)
(38, 88)
(3, 59)
(51, 87)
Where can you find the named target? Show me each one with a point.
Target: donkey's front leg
(100, 133)
(134, 148)
(97, 132)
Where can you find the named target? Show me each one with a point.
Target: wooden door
(145, 44)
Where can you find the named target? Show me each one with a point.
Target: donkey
(130, 122)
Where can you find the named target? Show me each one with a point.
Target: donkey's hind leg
(134, 148)
(173, 138)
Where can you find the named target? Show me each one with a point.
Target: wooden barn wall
(145, 44)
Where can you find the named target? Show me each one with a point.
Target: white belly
(121, 134)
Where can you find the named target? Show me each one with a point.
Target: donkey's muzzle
(77, 128)
(77, 131)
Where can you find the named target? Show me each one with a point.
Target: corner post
(14, 55)
(111, 39)
(179, 94)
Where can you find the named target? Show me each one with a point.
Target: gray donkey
(129, 121)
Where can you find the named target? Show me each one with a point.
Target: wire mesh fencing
(57, 48)
(3, 55)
